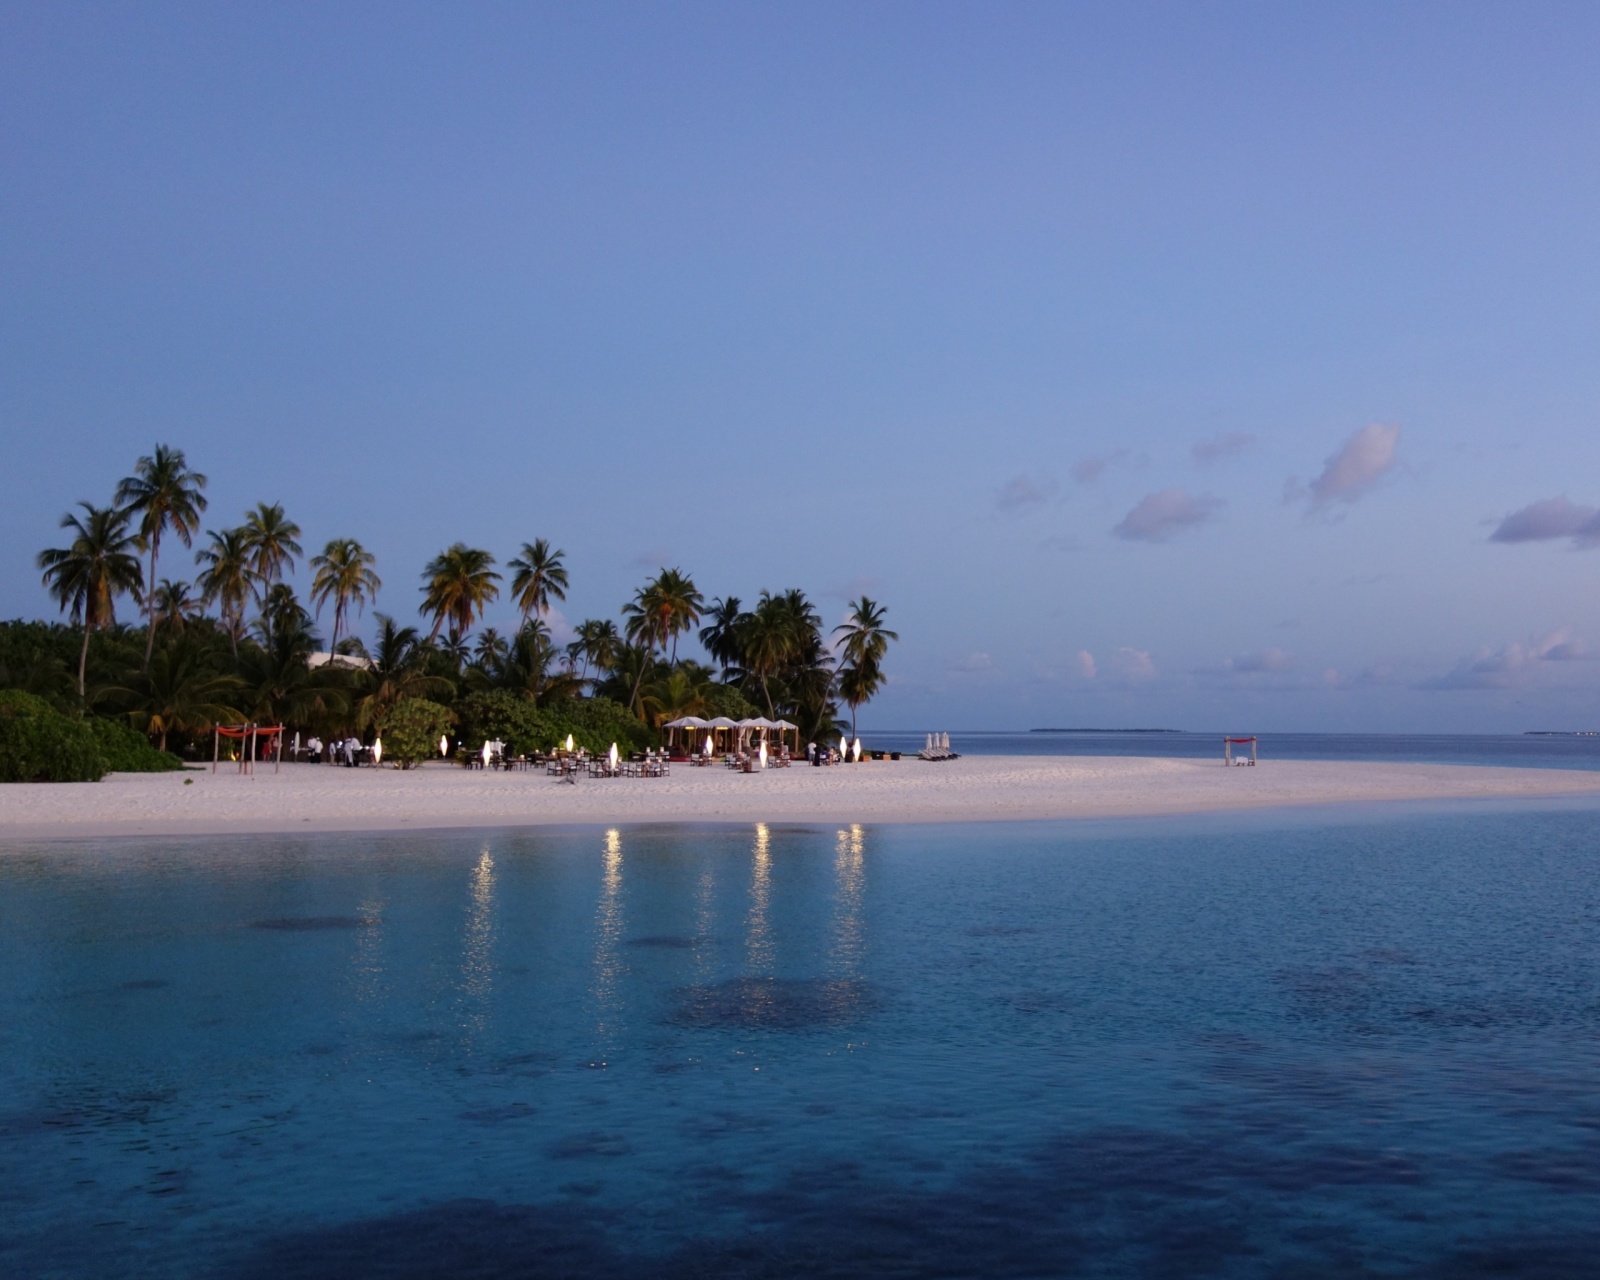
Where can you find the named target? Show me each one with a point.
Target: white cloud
(561, 631)
(1024, 491)
(1548, 519)
(1365, 458)
(1159, 516)
(1510, 665)
(1226, 444)
(1135, 665)
(1085, 661)
(973, 662)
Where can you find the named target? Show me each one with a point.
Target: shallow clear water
(1241, 1047)
(1531, 750)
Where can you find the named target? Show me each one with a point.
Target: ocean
(1538, 751)
(1356, 1042)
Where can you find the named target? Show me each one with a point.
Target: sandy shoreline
(975, 789)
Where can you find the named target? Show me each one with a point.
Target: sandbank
(318, 798)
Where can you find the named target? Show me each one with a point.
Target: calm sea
(1542, 751)
(1333, 1045)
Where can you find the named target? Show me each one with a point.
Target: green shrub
(594, 723)
(411, 731)
(127, 750)
(39, 744)
(725, 700)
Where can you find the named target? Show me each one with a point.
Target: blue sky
(1156, 365)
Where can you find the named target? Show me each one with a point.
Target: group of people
(345, 751)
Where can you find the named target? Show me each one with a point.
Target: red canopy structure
(1228, 744)
(250, 736)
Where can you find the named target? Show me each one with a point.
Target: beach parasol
(688, 722)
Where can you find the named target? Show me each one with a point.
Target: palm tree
(172, 608)
(271, 539)
(182, 692)
(399, 670)
(227, 579)
(458, 585)
(164, 493)
(344, 574)
(684, 691)
(769, 638)
(88, 576)
(597, 643)
(721, 637)
(866, 640)
(282, 615)
(541, 577)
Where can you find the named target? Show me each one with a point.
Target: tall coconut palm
(865, 642)
(87, 576)
(164, 494)
(457, 586)
(721, 637)
(541, 577)
(272, 540)
(663, 609)
(344, 574)
(227, 579)
(769, 638)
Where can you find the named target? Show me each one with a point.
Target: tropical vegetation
(234, 643)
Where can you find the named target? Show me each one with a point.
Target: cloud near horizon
(1085, 661)
(1135, 665)
(1511, 664)
(1548, 519)
(1350, 472)
(1088, 470)
(1162, 515)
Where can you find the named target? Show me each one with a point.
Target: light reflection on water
(1030, 1050)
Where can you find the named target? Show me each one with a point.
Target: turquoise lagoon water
(1314, 1045)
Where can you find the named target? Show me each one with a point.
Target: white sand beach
(973, 789)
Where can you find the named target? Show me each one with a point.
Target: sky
(1213, 366)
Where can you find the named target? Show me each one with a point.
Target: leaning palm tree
(344, 574)
(165, 494)
(227, 579)
(540, 578)
(597, 643)
(87, 577)
(458, 585)
(272, 539)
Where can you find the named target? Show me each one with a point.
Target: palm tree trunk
(150, 604)
(338, 617)
(83, 657)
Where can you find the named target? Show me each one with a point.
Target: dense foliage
(411, 731)
(40, 744)
(236, 645)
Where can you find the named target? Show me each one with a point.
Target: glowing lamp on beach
(486, 754)
(569, 742)
(444, 745)
(377, 751)
(708, 743)
(763, 753)
(844, 749)
(855, 750)
(614, 755)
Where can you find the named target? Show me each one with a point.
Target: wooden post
(1252, 750)
(1227, 752)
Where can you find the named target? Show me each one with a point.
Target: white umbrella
(688, 722)
(377, 751)
(444, 745)
(722, 722)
